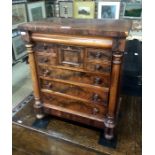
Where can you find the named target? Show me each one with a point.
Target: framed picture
(66, 9)
(133, 10)
(84, 9)
(15, 32)
(18, 1)
(122, 8)
(18, 46)
(130, 1)
(36, 10)
(50, 12)
(108, 10)
(19, 15)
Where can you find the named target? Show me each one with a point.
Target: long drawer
(74, 106)
(70, 90)
(75, 76)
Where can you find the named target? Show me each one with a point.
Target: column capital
(117, 57)
(29, 45)
(29, 48)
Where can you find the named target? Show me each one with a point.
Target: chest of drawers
(75, 67)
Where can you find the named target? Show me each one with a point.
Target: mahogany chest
(75, 67)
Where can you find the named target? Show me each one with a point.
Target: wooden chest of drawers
(75, 67)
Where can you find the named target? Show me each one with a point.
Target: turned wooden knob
(95, 111)
(69, 48)
(105, 103)
(97, 81)
(49, 85)
(46, 72)
(81, 73)
(45, 60)
(45, 46)
(98, 55)
(95, 97)
(97, 67)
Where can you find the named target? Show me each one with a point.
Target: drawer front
(99, 54)
(75, 76)
(77, 106)
(95, 96)
(46, 58)
(44, 47)
(45, 53)
(71, 56)
(101, 68)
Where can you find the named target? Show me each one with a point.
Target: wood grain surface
(94, 27)
(93, 47)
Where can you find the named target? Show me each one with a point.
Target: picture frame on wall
(122, 8)
(108, 10)
(133, 10)
(36, 10)
(56, 8)
(84, 9)
(19, 48)
(19, 15)
(18, 1)
(66, 9)
(50, 11)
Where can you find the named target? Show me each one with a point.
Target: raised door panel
(71, 56)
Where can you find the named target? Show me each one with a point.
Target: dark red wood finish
(76, 67)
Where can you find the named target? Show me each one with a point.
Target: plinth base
(109, 143)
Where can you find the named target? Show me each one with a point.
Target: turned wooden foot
(109, 133)
(107, 137)
(38, 108)
(109, 128)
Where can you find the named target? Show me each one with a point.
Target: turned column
(38, 105)
(110, 120)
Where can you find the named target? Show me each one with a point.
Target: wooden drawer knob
(98, 55)
(81, 74)
(46, 72)
(69, 48)
(97, 67)
(97, 81)
(49, 85)
(95, 97)
(44, 60)
(95, 111)
(45, 47)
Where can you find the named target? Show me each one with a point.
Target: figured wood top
(93, 27)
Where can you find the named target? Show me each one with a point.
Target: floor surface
(54, 136)
(21, 82)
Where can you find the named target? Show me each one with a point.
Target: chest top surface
(93, 27)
